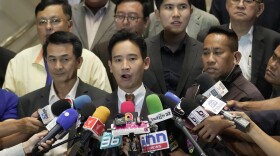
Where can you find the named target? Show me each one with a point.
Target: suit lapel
(156, 62)
(80, 23)
(106, 22)
(195, 25)
(191, 56)
(257, 53)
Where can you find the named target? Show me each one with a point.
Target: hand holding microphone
(65, 120)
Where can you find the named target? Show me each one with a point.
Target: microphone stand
(181, 125)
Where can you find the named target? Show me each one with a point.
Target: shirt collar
(72, 94)
(38, 59)
(102, 10)
(138, 93)
(249, 34)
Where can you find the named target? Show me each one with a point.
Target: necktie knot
(129, 97)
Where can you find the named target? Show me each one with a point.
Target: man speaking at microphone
(62, 51)
(128, 60)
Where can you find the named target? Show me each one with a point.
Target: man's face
(96, 3)
(272, 74)
(128, 65)
(62, 62)
(174, 15)
(217, 58)
(50, 20)
(133, 21)
(244, 10)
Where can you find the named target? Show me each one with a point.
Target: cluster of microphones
(154, 132)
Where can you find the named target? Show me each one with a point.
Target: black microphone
(241, 123)
(65, 120)
(179, 123)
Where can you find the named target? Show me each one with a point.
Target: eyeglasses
(53, 21)
(120, 18)
(245, 2)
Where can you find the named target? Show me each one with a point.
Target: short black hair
(145, 6)
(123, 35)
(64, 37)
(64, 3)
(231, 35)
(159, 2)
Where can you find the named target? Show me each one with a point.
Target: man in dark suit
(5, 56)
(269, 18)
(62, 51)
(256, 43)
(175, 57)
(131, 15)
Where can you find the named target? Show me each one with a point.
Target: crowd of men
(111, 49)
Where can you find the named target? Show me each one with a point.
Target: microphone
(49, 112)
(157, 115)
(80, 101)
(208, 86)
(65, 120)
(155, 109)
(216, 106)
(95, 124)
(128, 109)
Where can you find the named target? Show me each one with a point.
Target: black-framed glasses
(245, 2)
(130, 18)
(54, 21)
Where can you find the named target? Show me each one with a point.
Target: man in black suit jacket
(256, 43)
(175, 57)
(62, 52)
(270, 18)
(5, 56)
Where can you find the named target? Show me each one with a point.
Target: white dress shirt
(138, 100)
(62, 149)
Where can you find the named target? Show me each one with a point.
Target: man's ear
(260, 9)
(147, 62)
(80, 62)
(110, 66)
(70, 25)
(237, 56)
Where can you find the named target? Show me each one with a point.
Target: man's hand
(29, 144)
(211, 127)
(29, 125)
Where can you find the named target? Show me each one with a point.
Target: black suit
(101, 50)
(264, 43)
(191, 68)
(5, 56)
(31, 102)
(270, 18)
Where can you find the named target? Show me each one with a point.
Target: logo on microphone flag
(154, 141)
(95, 125)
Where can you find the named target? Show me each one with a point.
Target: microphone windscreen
(127, 106)
(59, 106)
(205, 82)
(67, 118)
(167, 102)
(153, 104)
(102, 113)
(87, 110)
(200, 99)
(80, 101)
(173, 97)
(188, 105)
